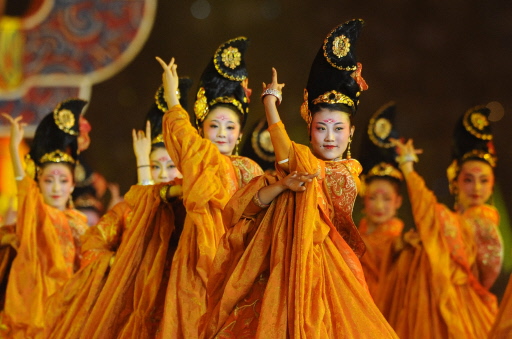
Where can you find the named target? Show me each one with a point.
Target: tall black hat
(331, 77)
(377, 152)
(472, 139)
(56, 136)
(221, 80)
(159, 108)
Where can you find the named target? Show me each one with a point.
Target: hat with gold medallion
(223, 81)
(377, 151)
(472, 140)
(335, 76)
(56, 136)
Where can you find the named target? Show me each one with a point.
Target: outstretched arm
(142, 149)
(272, 94)
(17, 131)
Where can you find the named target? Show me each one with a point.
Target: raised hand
(407, 154)
(272, 92)
(17, 132)
(171, 81)
(142, 144)
(17, 129)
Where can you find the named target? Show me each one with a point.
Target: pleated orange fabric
(120, 290)
(434, 286)
(209, 180)
(47, 256)
(378, 243)
(292, 270)
(130, 304)
(502, 328)
(69, 308)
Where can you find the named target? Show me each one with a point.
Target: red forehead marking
(329, 121)
(222, 117)
(164, 159)
(57, 172)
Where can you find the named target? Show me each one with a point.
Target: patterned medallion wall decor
(60, 49)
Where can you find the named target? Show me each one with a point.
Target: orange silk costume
(119, 292)
(502, 328)
(293, 271)
(378, 245)
(438, 285)
(209, 181)
(47, 256)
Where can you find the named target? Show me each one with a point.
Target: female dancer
(48, 228)
(292, 270)
(211, 175)
(460, 253)
(136, 237)
(382, 179)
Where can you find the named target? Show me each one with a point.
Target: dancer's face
(56, 185)
(222, 127)
(475, 183)
(330, 133)
(381, 201)
(162, 166)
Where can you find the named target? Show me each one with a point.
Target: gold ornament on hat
(56, 157)
(475, 122)
(158, 139)
(202, 106)
(65, 120)
(231, 57)
(341, 46)
(384, 169)
(305, 112)
(334, 97)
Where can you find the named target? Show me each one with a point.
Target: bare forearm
(17, 166)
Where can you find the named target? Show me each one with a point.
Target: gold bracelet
(257, 202)
(163, 192)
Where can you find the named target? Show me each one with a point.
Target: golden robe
(502, 327)
(438, 285)
(47, 256)
(292, 271)
(378, 245)
(120, 290)
(209, 181)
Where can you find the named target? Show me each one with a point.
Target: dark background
(435, 58)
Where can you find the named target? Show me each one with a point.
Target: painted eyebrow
(336, 123)
(217, 121)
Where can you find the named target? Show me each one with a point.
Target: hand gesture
(406, 150)
(296, 181)
(170, 81)
(142, 145)
(17, 130)
(275, 87)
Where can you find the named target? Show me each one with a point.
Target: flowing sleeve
(39, 268)
(280, 140)
(105, 237)
(485, 221)
(205, 169)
